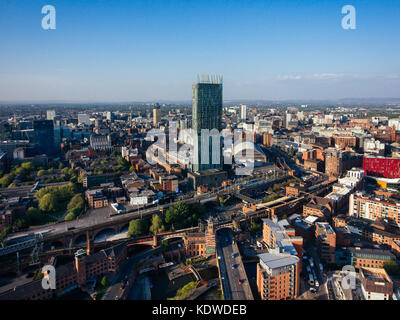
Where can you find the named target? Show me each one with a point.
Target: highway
(231, 277)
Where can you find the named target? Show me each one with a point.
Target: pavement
(230, 277)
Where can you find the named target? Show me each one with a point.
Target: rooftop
(274, 261)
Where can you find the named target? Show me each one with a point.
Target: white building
(243, 112)
(83, 118)
(373, 146)
(50, 114)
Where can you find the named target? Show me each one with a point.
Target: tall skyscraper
(207, 114)
(243, 112)
(156, 114)
(44, 137)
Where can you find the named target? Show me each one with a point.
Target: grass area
(185, 291)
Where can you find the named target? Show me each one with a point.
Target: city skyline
(144, 52)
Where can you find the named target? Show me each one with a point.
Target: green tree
(104, 282)
(33, 216)
(156, 224)
(41, 173)
(137, 227)
(76, 202)
(70, 216)
(170, 215)
(122, 162)
(6, 180)
(132, 169)
(28, 166)
(48, 203)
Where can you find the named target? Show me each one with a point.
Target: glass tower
(207, 115)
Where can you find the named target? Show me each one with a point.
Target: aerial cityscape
(204, 189)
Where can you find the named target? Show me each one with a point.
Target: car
(233, 266)
(316, 283)
(219, 257)
(313, 290)
(240, 281)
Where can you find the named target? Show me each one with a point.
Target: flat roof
(274, 261)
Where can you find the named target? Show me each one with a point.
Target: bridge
(68, 234)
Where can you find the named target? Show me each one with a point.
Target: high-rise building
(50, 114)
(43, 136)
(156, 114)
(207, 115)
(277, 276)
(278, 272)
(243, 112)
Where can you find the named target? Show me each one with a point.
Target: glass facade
(207, 114)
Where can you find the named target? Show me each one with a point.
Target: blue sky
(148, 50)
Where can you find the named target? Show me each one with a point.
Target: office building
(207, 115)
(156, 114)
(43, 137)
(243, 112)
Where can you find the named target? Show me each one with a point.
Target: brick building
(278, 276)
(376, 284)
(96, 198)
(325, 238)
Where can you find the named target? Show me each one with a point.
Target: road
(123, 274)
(323, 289)
(230, 277)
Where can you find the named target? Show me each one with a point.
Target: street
(231, 270)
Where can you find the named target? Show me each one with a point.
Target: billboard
(138, 200)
